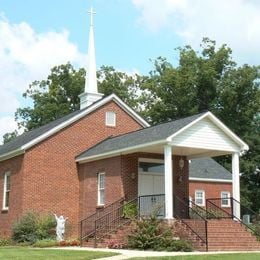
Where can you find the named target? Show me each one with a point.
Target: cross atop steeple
(91, 12)
(90, 94)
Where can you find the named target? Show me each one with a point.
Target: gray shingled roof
(207, 168)
(143, 136)
(31, 135)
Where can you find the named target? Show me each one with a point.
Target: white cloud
(7, 125)
(234, 22)
(25, 56)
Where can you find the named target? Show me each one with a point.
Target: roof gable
(208, 129)
(29, 139)
(139, 138)
(171, 132)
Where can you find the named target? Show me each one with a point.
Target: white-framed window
(110, 118)
(200, 197)
(225, 199)
(101, 189)
(6, 195)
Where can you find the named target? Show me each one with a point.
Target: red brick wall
(7, 218)
(51, 182)
(119, 181)
(212, 190)
(88, 173)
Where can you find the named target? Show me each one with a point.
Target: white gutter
(11, 154)
(209, 180)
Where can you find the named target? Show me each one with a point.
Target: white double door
(150, 191)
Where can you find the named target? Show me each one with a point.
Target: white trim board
(82, 114)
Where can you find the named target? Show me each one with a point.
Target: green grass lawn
(24, 253)
(238, 256)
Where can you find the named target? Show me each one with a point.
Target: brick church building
(81, 163)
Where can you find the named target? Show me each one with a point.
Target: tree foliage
(58, 95)
(53, 97)
(7, 137)
(211, 80)
(207, 79)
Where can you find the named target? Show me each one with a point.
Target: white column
(168, 182)
(236, 184)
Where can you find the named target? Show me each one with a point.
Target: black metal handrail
(231, 214)
(217, 211)
(111, 221)
(198, 225)
(246, 210)
(87, 225)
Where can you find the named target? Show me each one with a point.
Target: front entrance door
(151, 187)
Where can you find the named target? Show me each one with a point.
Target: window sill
(4, 211)
(100, 206)
(200, 205)
(225, 206)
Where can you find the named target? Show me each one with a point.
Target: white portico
(205, 137)
(198, 136)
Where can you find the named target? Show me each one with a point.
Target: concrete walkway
(126, 254)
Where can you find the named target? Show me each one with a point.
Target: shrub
(24, 230)
(151, 233)
(114, 244)
(73, 242)
(45, 227)
(5, 242)
(256, 229)
(145, 234)
(130, 210)
(45, 243)
(32, 227)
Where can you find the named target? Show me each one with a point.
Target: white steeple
(90, 94)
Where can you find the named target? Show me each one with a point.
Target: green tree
(58, 95)
(9, 136)
(52, 98)
(120, 83)
(191, 87)
(210, 80)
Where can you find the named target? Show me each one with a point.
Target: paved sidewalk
(126, 254)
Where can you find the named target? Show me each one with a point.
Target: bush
(45, 243)
(45, 227)
(150, 233)
(130, 210)
(114, 244)
(256, 229)
(32, 227)
(73, 242)
(5, 242)
(145, 234)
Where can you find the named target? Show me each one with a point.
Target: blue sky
(36, 35)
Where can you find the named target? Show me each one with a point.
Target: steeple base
(86, 99)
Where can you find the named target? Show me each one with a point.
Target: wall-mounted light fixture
(181, 163)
